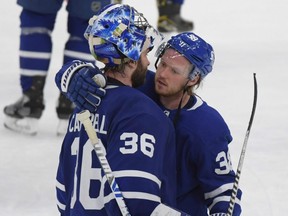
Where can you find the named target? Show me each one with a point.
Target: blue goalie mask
(199, 53)
(119, 33)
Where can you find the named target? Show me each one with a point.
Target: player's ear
(191, 84)
(193, 81)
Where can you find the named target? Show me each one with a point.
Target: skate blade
(24, 126)
(62, 127)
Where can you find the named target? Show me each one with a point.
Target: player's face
(172, 74)
(139, 75)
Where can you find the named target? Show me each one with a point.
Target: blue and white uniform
(37, 21)
(204, 172)
(140, 148)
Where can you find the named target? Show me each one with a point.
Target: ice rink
(248, 37)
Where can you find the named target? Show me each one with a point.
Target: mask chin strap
(177, 115)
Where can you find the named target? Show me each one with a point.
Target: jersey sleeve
(215, 168)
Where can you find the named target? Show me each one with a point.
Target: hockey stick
(83, 117)
(241, 160)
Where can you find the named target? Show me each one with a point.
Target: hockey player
(205, 175)
(137, 136)
(37, 22)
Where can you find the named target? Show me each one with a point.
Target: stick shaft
(242, 156)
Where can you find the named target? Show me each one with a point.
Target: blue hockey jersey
(204, 172)
(140, 148)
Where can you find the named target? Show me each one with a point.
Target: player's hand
(82, 83)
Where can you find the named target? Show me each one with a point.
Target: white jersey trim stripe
(60, 186)
(222, 199)
(141, 195)
(137, 173)
(134, 195)
(219, 190)
(27, 72)
(35, 55)
(198, 103)
(61, 206)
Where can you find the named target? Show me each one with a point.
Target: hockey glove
(82, 83)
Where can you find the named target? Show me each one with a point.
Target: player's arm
(77, 75)
(218, 178)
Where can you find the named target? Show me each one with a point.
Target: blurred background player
(170, 19)
(37, 21)
(169, 16)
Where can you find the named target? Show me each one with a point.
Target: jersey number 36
(134, 142)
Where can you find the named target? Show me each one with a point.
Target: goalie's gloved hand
(83, 83)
